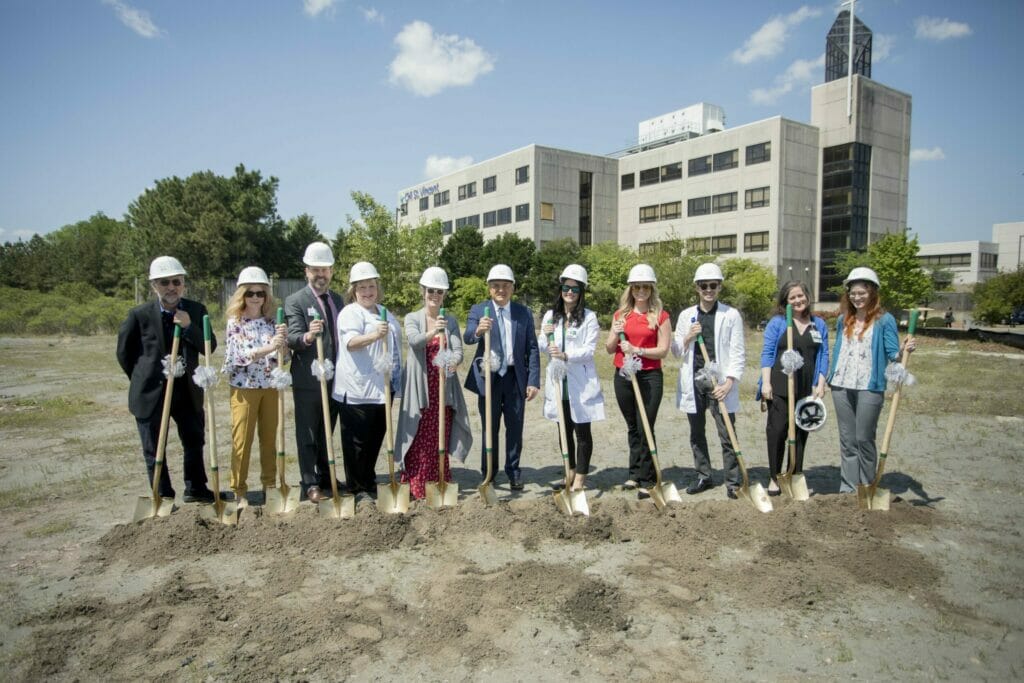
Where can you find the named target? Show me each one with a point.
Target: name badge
(815, 335)
(312, 312)
(572, 333)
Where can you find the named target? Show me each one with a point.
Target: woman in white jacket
(573, 330)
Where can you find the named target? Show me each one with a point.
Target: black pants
(362, 433)
(580, 443)
(699, 442)
(777, 431)
(310, 439)
(191, 426)
(651, 382)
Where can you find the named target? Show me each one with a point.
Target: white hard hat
(641, 272)
(864, 274)
(434, 277)
(362, 270)
(708, 271)
(253, 275)
(165, 266)
(319, 255)
(810, 414)
(501, 272)
(574, 272)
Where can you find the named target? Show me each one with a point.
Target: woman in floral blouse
(252, 344)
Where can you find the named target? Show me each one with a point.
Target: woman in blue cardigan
(810, 340)
(866, 342)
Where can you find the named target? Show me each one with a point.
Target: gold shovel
(441, 494)
(873, 497)
(221, 511)
(157, 506)
(393, 497)
(339, 506)
(793, 485)
(755, 493)
(662, 493)
(284, 498)
(567, 500)
(486, 489)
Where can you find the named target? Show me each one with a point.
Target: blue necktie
(504, 343)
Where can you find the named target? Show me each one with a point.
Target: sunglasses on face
(708, 286)
(641, 287)
(430, 290)
(168, 282)
(254, 294)
(575, 289)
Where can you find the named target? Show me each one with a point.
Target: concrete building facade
(970, 261)
(1010, 238)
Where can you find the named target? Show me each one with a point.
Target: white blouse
(853, 367)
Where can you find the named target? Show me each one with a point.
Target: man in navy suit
(143, 341)
(514, 340)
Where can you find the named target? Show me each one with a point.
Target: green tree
(514, 251)
(607, 267)
(749, 286)
(462, 253)
(904, 282)
(298, 234)
(29, 265)
(674, 268)
(465, 292)
(996, 298)
(548, 263)
(94, 251)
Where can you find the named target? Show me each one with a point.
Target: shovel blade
(562, 502)
(338, 507)
(658, 498)
(578, 502)
(145, 509)
(487, 494)
(282, 500)
(221, 511)
(879, 501)
(669, 493)
(393, 501)
(757, 496)
(799, 486)
(438, 498)
(864, 496)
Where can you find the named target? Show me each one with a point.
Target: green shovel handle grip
(912, 327)
(316, 316)
(789, 315)
(383, 314)
(700, 339)
(487, 311)
(441, 312)
(207, 329)
(280, 315)
(177, 331)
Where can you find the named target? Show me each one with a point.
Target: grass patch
(31, 412)
(34, 495)
(50, 529)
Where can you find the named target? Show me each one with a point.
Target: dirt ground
(708, 590)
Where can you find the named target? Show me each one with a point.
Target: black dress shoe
(701, 484)
(731, 493)
(516, 482)
(198, 496)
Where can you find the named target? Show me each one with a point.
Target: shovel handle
(890, 423)
(442, 442)
(487, 400)
(728, 423)
(389, 438)
(211, 423)
(646, 423)
(328, 436)
(165, 419)
(791, 399)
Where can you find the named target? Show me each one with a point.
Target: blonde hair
(236, 304)
(627, 302)
(350, 292)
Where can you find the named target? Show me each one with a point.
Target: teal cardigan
(885, 347)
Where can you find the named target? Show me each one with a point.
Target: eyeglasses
(254, 294)
(708, 286)
(641, 286)
(858, 294)
(165, 282)
(575, 289)
(431, 290)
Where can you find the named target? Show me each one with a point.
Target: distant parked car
(1017, 317)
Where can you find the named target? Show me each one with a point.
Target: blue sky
(102, 97)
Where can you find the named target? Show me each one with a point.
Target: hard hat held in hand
(362, 270)
(810, 414)
(319, 255)
(253, 275)
(862, 274)
(641, 272)
(165, 266)
(435, 278)
(501, 272)
(708, 271)
(574, 272)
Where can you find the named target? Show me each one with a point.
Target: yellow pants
(249, 408)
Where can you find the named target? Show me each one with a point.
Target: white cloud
(769, 40)
(316, 7)
(934, 28)
(881, 47)
(15, 235)
(933, 154)
(135, 19)
(429, 62)
(800, 72)
(371, 15)
(438, 166)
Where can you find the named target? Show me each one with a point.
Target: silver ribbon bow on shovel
(897, 374)
(179, 366)
(631, 364)
(324, 371)
(489, 364)
(280, 379)
(791, 361)
(445, 359)
(205, 378)
(708, 377)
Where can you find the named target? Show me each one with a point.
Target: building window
(628, 181)
(698, 206)
(699, 166)
(672, 172)
(724, 244)
(671, 210)
(490, 184)
(649, 214)
(699, 245)
(989, 261)
(424, 203)
(650, 176)
(404, 208)
(441, 198)
(522, 212)
(721, 203)
(522, 175)
(756, 198)
(490, 219)
(652, 248)
(755, 241)
(726, 160)
(473, 220)
(466, 191)
(758, 154)
(547, 211)
(446, 228)
(505, 216)
(963, 260)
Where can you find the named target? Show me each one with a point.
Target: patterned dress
(421, 458)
